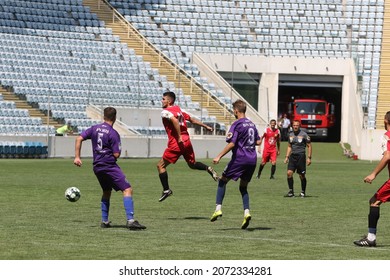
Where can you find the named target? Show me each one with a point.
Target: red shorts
(269, 155)
(383, 194)
(173, 152)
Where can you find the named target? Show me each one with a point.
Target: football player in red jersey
(383, 193)
(271, 149)
(179, 143)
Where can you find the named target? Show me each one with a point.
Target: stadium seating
(59, 57)
(314, 28)
(149, 131)
(23, 149)
(14, 121)
(58, 52)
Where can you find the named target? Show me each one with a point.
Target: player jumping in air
(179, 143)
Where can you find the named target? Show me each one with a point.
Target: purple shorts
(236, 171)
(111, 178)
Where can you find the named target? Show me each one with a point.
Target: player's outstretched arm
(198, 122)
(225, 150)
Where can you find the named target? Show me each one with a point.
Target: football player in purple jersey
(242, 139)
(106, 149)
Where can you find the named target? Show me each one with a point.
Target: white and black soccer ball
(72, 194)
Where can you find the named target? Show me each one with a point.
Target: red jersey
(383, 194)
(386, 142)
(175, 111)
(271, 138)
(386, 146)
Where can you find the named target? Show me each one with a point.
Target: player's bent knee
(374, 201)
(128, 192)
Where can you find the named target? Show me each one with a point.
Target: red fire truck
(317, 116)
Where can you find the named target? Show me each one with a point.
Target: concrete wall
(136, 147)
(371, 140)
(205, 147)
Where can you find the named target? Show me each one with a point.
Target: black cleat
(364, 242)
(165, 194)
(134, 225)
(212, 173)
(105, 225)
(272, 177)
(290, 194)
(302, 195)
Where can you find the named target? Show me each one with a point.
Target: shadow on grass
(111, 227)
(196, 218)
(189, 218)
(248, 229)
(303, 198)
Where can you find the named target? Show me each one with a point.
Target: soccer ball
(72, 194)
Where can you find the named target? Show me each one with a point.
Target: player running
(242, 139)
(271, 148)
(179, 143)
(106, 148)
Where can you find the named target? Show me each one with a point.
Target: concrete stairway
(22, 104)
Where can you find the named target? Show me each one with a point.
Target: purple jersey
(105, 142)
(243, 133)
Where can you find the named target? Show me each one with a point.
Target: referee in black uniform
(298, 140)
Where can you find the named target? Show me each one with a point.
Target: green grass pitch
(37, 222)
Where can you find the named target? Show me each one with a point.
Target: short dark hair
(298, 121)
(387, 116)
(239, 105)
(170, 94)
(110, 114)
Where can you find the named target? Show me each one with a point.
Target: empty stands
(59, 57)
(23, 149)
(314, 28)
